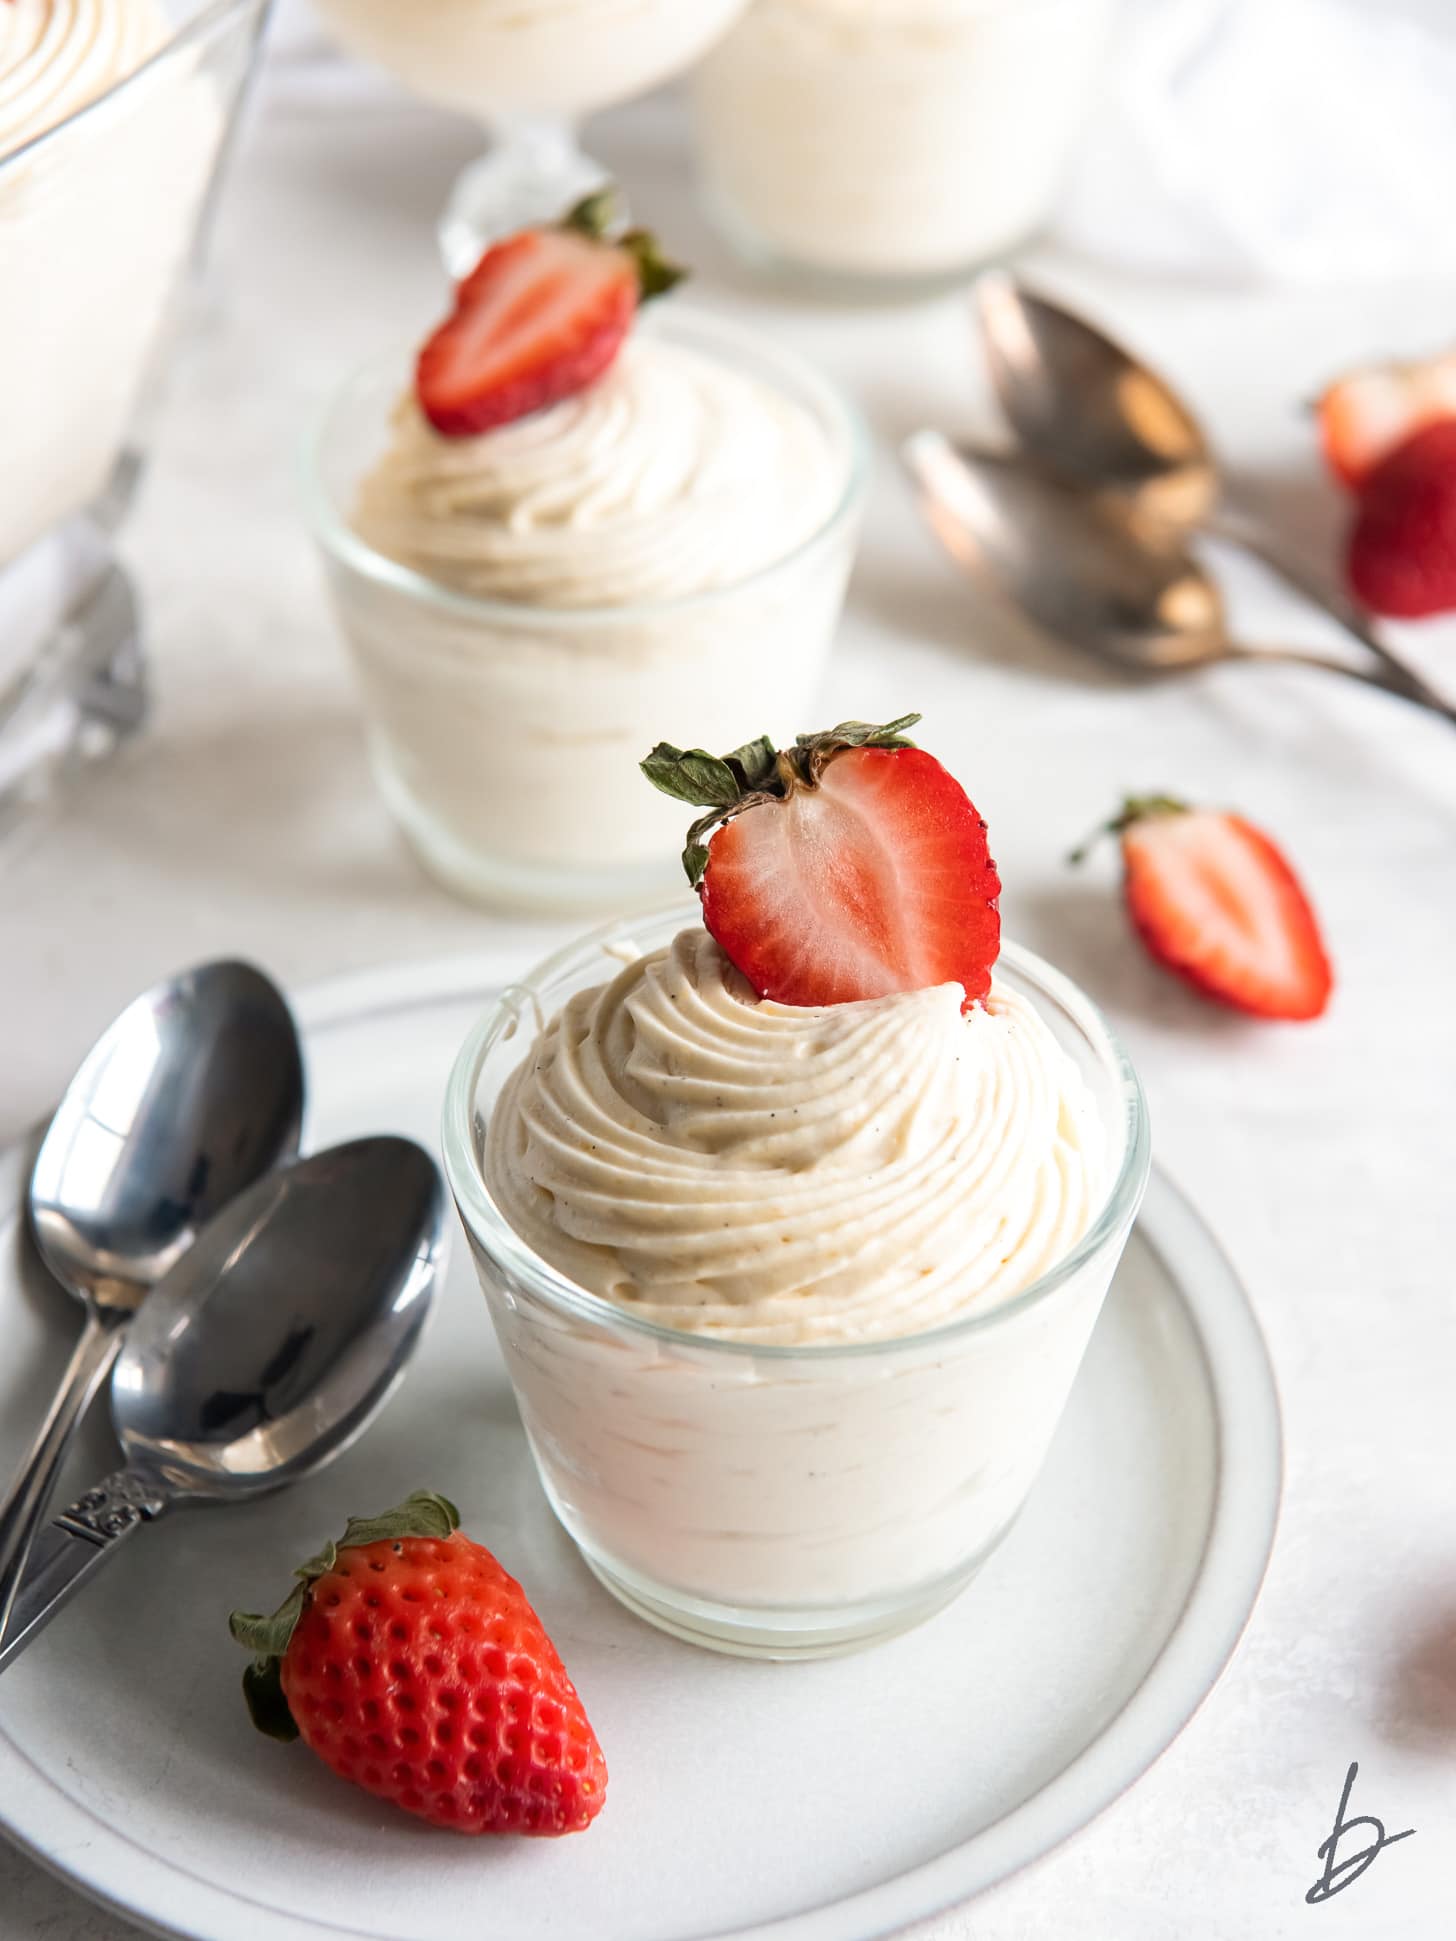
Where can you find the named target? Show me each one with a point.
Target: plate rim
(115, 1875)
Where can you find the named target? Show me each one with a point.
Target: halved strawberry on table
(848, 866)
(541, 316)
(1366, 414)
(413, 1665)
(1215, 902)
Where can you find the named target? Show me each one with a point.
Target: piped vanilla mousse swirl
(671, 475)
(58, 55)
(732, 1166)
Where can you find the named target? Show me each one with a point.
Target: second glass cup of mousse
(894, 148)
(786, 1499)
(505, 728)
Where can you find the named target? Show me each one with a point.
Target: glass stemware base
(72, 677)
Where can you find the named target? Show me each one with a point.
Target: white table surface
(1322, 1155)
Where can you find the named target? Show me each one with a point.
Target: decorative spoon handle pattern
(72, 1548)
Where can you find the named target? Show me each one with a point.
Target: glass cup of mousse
(780, 1498)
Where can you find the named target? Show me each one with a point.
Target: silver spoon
(267, 1349)
(1087, 410)
(1078, 568)
(194, 1092)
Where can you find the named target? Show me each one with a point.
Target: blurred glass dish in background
(894, 142)
(113, 117)
(661, 557)
(528, 69)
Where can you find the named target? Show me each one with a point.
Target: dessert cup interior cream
(785, 1500)
(505, 733)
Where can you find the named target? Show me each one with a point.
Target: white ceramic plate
(820, 1802)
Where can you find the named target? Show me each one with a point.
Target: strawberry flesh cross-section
(541, 317)
(847, 867)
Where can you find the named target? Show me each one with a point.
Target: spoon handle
(69, 1550)
(1232, 525)
(1390, 682)
(23, 1510)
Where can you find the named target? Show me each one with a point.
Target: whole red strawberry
(1402, 551)
(413, 1665)
(1215, 902)
(540, 317)
(849, 866)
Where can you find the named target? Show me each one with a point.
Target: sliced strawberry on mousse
(1216, 903)
(849, 866)
(540, 317)
(1366, 414)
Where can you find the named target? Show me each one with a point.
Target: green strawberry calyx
(726, 785)
(424, 1514)
(1135, 809)
(598, 216)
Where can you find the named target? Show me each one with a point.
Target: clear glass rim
(187, 35)
(678, 322)
(488, 1225)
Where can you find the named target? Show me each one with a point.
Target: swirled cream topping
(672, 474)
(58, 55)
(728, 1165)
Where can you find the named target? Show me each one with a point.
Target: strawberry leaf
(424, 1514)
(599, 215)
(754, 763)
(596, 215)
(695, 861)
(692, 775)
(860, 734)
(268, 1637)
(757, 772)
(864, 734)
(1135, 808)
(267, 1707)
(656, 273)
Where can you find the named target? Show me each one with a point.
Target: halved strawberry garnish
(1216, 903)
(540, 317)
(848, 866)
(1368, 413)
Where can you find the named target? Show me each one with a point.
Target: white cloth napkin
(1279, 141)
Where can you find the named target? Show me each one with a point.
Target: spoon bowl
(264, 1353)
(193, 1093)
(1084, 408)
(269, 1348)
(1074, 565)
